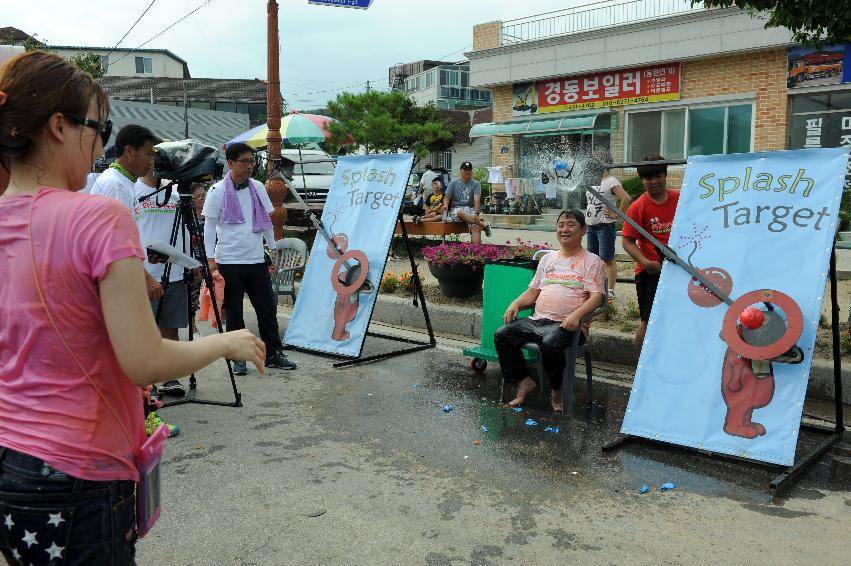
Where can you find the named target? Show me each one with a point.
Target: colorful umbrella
(296, 128)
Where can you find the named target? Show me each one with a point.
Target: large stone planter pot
(459, 280)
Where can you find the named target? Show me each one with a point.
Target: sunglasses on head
(105, 129)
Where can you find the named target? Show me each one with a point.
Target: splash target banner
(718, 377)
(338, 292)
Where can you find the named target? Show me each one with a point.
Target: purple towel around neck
(232, 212)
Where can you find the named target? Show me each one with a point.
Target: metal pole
(276, 188)
(185, 113)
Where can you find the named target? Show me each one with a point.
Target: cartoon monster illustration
(745, 390)
(755, 339)
(347, 280)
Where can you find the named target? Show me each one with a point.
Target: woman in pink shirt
(77, 337)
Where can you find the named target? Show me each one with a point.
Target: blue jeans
(47, 517)
(601, 240)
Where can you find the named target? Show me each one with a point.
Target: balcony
(589, 17)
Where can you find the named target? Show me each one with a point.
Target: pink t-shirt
(566, 283)
(48, 409)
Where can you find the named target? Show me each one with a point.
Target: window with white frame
(144, 65)
(699, 130)
(104, 62)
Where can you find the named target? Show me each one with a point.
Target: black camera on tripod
(186, 161)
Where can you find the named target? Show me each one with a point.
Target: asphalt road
(362, 466)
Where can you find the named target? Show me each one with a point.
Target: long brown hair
(34, 86)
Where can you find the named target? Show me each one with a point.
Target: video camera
(185, 161)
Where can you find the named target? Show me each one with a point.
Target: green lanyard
(120, 168)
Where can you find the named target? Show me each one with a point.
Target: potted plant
(519, 253)
(459, 266)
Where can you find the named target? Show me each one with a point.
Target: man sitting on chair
(568, 285)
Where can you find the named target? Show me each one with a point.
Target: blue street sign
(361, 4)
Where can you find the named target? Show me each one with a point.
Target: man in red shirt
(654, 211)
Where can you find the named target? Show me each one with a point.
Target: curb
(609, 346)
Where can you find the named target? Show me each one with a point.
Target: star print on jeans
(54, 551)
(35, 536)
(29, 538)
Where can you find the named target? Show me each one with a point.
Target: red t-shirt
(655, 218)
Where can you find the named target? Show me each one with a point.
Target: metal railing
(598, 15)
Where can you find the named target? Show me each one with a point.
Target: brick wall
(486, 36)
(762, 72)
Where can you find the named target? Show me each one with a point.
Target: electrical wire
(162, 32)
(131, 28)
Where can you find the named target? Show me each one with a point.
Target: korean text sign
(757, 225)
(614, 88)
(338, 292)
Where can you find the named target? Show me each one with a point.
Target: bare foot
(523, 389)
(555, 399)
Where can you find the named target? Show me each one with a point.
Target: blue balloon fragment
(552, 429)
(484, 428)
(518, 409)
(668, 486)
(447, 408)
(644, 489)
(531, 422)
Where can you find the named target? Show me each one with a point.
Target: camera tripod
(185, 222)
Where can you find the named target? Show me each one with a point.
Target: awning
(536, 125)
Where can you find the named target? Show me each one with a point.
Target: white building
(149, 63)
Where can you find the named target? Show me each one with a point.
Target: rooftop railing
(598, 15)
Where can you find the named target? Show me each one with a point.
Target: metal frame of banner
(834, 433)
(419, 295)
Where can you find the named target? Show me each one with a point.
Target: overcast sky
(322, 48)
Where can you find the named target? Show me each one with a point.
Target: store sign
(600, 90)
(830, 65)
(823, 129)
(362, 4)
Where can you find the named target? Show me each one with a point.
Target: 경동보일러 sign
(338, 292)
(760, 227)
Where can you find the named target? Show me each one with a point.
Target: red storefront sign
(614, 88)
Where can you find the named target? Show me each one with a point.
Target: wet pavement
(363, 466)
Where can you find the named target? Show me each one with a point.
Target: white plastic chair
(289, 258)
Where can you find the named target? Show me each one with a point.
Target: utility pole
(185, 113)
(276, 188)
(367, 86)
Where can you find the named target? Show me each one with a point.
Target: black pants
(547, 334)
(252, 278)
(47, 517)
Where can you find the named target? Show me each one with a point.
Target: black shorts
(645, 288)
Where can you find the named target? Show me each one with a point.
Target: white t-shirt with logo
(596, 211)
(154, 223)
(235, 243)
(111, 183)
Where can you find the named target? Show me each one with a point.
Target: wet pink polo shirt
(48, 409)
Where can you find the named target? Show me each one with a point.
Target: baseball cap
(466, 165)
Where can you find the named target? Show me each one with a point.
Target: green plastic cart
(504, 281)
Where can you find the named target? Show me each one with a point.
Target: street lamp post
(276, 187)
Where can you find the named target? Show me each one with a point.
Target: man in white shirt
(236, 219)
(134, 150)
(425, 181)
(155, 223)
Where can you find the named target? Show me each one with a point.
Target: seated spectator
(433, 204)
(568, 285)
(462, 202)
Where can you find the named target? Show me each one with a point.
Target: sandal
(417, 220)
(611, 296)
